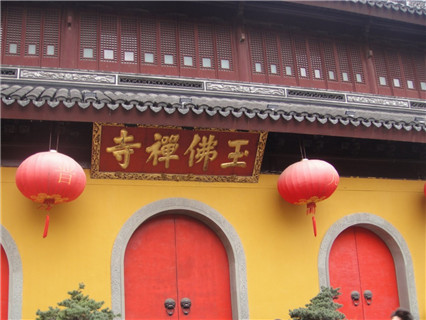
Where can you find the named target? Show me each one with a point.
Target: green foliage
(77, 307)
(321, 307)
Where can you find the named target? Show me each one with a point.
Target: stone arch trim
(396, 244)
(197, 210)
(15, 275)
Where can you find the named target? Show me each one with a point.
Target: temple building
(184, 116)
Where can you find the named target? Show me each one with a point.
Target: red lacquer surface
(360, 260)
(4, 284)
(176, 257)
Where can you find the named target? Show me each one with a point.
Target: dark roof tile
(35, 93)
(212, 106)
(62, 94)
(393, 5)
(48, 94)
(7, 90)
(21, 94)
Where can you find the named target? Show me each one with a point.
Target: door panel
(150, 270)
(175, 256)
(4, 284)
(360, 260)
(343, 266)
(377, 273)
(203, 271)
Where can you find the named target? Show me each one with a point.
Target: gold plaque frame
(95, 173)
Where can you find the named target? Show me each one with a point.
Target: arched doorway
(204, 214)
(393, 240)
(361, 265)
(4, 284)
(14, 274)
(176, 257)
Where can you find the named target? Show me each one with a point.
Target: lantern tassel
(46, 226)
(310, 209)
(47, 205)
(314, 225)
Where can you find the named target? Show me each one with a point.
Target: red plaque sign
(174, 153)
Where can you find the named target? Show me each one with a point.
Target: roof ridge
(412, 7)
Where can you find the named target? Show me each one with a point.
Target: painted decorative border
(197, 210)
(15, 275)
(240, 88)
(378, 101)
(189, 84)
(96, 174)
(396, 244)
(67, 76)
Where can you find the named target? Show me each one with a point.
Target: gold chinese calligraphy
(174, 153)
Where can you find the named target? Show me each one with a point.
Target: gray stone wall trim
(396, 244)
(15, 275)
(197, 210)
(55, 75)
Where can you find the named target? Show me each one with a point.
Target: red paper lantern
(50, 178)
(307, 182)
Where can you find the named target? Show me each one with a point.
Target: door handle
(368, 295)
(170, 305)
(355, 297)
(185, 304)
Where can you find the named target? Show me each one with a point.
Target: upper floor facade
(290, 44)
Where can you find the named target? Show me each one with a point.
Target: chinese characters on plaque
(174, 153)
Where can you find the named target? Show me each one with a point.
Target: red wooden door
(175, 256)
(4, 284)
(359, 261)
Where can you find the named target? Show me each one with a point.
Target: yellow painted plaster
(280, 248)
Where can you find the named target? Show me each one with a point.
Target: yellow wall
(277, 237)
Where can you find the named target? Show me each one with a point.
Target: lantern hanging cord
(58, 132)
(57, 140)
(50, 138)
(302, 149)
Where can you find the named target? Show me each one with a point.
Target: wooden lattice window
(419, 65)
(31, 36)
(112, 42)
(148, 41)
(287, 55)
(2, 29)
(330, 61)
(380, 66)
(344, 64)
(33, 32)
(256, 50)
(356, 62)
(224, 48)
(51, 33)
(129, 40)
(301, 57)
(108, 43)
(14, 29)
(272, 58)
(187, 45)
(88, 37)
(409, 71)
(316, 60)
(168, 43)
(206, 47)
(395, 74)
